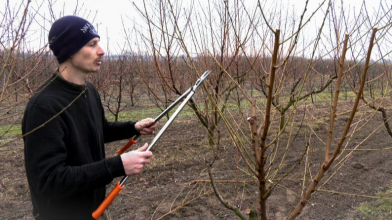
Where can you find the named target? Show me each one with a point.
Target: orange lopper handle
(126, 146)
(106, 203)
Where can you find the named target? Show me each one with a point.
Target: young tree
(241, 45)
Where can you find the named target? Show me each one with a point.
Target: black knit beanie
(68, 34)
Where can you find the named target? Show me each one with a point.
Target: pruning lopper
(120, 185)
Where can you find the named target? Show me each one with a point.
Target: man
(65, 128)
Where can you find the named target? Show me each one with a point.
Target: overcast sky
(108, 16)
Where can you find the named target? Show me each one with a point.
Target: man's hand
(134, 161)
(146, 126)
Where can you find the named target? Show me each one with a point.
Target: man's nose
(100, 51)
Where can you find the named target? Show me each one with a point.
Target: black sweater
(64, 153)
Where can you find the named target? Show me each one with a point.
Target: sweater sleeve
(46, 156)
(114, 131)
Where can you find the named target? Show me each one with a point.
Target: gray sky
(110, 16)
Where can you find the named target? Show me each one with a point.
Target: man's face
(89, 58)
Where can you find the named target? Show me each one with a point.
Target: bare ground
(176, 184)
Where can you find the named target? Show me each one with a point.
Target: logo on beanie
(88, 27)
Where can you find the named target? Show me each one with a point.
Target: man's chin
(95, 70)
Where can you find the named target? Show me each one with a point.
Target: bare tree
(241, 45)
